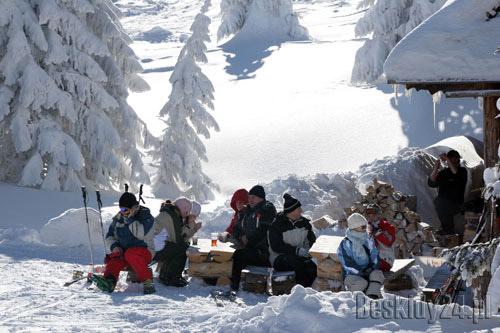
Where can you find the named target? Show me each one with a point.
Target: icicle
(436, 99)
(409, 94)
(395, 87)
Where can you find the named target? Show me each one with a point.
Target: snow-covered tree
(272, 14)
(387, 22)
(181, 152)
(65, 71)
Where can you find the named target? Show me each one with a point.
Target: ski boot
(149, 287)
(105, 284)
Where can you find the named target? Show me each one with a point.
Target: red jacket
(384, 233)
(239, 195)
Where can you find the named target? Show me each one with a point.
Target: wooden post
(491, 130)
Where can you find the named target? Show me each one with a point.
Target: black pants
(446, 211)
(305, 269)
(173, 260)
(243, 258)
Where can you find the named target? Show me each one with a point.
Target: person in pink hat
(172, 257)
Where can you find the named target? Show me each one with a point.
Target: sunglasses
(124, 209)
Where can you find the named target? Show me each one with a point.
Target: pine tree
(279, 15)
(181, 152)
(387, 22)
(65, 71)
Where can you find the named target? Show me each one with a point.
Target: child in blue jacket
(359, 258)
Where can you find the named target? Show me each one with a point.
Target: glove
(116, 253)
(301, 252)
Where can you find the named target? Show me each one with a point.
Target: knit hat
(184, 205)
(258, 191)
(290, 203)
(196, 208)
(356, 220)
(128, 200)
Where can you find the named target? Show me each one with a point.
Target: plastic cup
(194, 240)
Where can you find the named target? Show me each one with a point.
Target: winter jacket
(385, 236)
(346, 257)
(287, 237)
(239, 195)
(170, 219)
(254, 224)
(451, 186)
(135, 231)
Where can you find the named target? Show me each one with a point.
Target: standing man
(290, 238)
(130, 239)
(451, 183)
(251, 234)
(384, 234)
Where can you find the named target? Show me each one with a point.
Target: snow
(273, 98)
(289, 119)
(384, 23)
(493, 294)
(409, 170)
(70, 228)
(456, 44)
(155, 35)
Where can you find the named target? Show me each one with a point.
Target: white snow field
(287, 107)
(283, 107)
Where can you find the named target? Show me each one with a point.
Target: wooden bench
(260, 280)
(211, 262)
(397, 279)
(324, 251)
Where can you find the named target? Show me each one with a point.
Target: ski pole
(84, 193)
(99, 205)
(140, 195)
(126, 187)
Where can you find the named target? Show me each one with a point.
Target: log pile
(399, 210)
(329, 267)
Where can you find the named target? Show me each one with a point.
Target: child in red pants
(130, 239)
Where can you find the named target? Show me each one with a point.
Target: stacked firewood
(399, 210)
(329, 268)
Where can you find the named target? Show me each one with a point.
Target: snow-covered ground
(288, 108)
(283, 107)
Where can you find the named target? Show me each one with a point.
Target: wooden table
(206, 261)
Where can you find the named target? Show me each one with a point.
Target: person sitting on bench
(384, 234)
(250, 233)
(239, 203)
(130, 241)
(172, 257)
(290, 238)
(359, 258)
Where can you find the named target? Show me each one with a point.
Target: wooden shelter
(453, 52)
